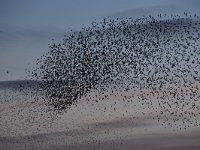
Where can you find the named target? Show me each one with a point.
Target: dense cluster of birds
(155, 53)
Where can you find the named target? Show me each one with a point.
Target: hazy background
(27, 27)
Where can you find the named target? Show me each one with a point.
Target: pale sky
(27, 27)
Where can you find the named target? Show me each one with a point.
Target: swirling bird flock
(159, 54)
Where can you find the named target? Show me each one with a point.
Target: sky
(28, 26)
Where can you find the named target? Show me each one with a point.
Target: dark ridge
(18, 84)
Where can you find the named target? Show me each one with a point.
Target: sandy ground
(115, 123)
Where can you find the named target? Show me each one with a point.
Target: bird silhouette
(153, 53)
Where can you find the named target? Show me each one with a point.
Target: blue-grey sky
(27, 26)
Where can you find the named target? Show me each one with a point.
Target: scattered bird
(125, 55)
(155, 53)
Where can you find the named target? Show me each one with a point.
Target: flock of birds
(159, 54)
(151, 64)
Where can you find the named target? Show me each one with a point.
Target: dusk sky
(119, 84)
(27, 27)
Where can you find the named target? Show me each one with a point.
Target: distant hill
(18, 84)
